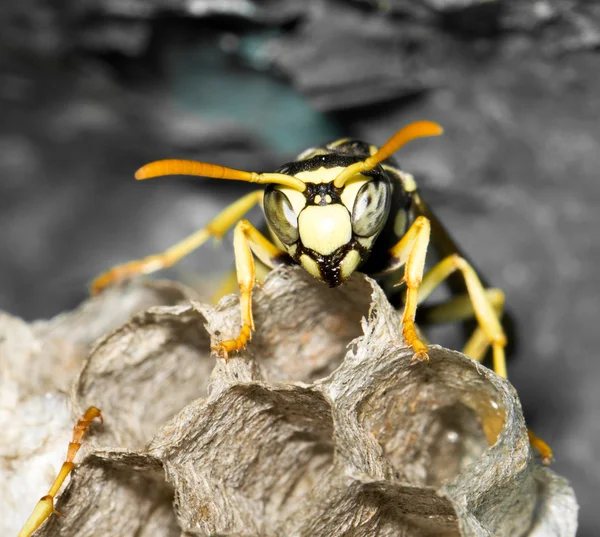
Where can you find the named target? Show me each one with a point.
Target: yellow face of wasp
(328, 230)
(325, 228)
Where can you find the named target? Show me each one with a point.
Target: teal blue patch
(219, 88)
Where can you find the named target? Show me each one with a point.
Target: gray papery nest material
(322, 427)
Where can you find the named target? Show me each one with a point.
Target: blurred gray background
(92, 89)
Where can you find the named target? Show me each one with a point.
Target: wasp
(336, 209)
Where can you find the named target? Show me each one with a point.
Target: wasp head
(329, 230)
(327, 208)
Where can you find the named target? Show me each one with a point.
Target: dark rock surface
(89, 91)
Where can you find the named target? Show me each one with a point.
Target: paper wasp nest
(320, 428)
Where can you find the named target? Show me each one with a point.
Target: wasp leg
(411, 250)
(216, 228)
(246, 241)
(542, 448)
(460, 308)
(229, 283)
(45, 507)
(478, 344)
(482, 308)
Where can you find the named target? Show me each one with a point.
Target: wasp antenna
(415, 130)
(419, 129)
(160, 168)
(189, 167)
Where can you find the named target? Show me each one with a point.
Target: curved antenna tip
(432, 128)
(141, 174)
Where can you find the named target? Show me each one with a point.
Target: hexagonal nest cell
(321, 427)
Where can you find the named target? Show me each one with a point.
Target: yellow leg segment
(215, 229)
(246, 240)
(543, 449)
(477, 345)
(411, 250)
(45, 507)
(484, 311)
(461, 308)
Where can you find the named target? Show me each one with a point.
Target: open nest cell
(321, 427)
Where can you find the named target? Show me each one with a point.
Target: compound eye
(280, 215)
(371, 208)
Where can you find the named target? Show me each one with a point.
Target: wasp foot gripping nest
(321, 427)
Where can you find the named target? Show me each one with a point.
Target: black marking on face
(325, 194)
(332, 160)
(330, 266)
